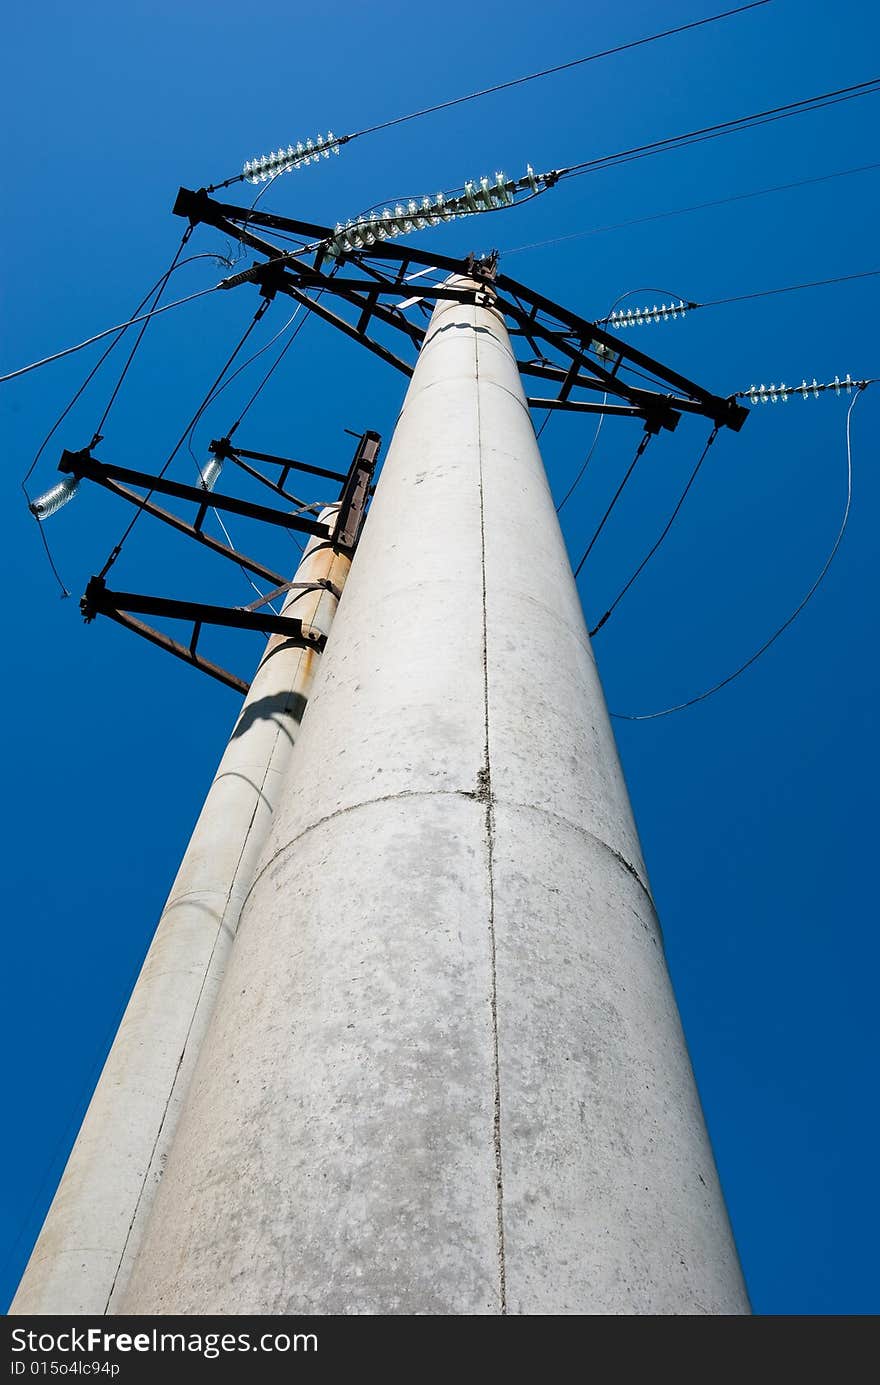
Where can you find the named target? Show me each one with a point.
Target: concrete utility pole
(84, 1253)
(444, 1073)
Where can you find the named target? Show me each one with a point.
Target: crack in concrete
(484, 793)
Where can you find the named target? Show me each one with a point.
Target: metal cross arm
(119, 606)
(592, 357)
(574, 337)
(83, 464)
(100, 600)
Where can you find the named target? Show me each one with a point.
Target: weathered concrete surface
(93, 1228)
(445, 1073)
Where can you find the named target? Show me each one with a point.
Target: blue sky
(755, 807)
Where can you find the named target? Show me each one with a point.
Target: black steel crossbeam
(534, 315)
(99, 600)
(722, 411)
(546, 370)
(200, 207)
(257, 568)
(648, 401)
(277, 487)
(346, 328)
(287, 462)
(180, 651)
(583, 406)
(83, 464)
(576, 355)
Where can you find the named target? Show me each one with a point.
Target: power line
(642, 317)
(693, 207)
(789, 288)
(140, 336)
(649, 555)
(295, 157)
(645, 439)
(725, 127)
(244, 365)
(273, 367)
(591, 449)
(549, 71)
(586, 462)
(117, 548)
(102, 358)
(716, 687)
(108, 331)
(159, 284)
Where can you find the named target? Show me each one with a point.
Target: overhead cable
(560, 67)
(693, 207)
(645, 439)
(108, 331)
(35, 506)
(117, 548)
(667, 312)
(286, 159)
(592, 448)
(723, 683)
(649, 555)
(725, 127)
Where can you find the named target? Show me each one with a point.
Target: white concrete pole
(445, 1073)
(82, 1257)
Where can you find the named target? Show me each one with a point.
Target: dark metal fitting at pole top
(69, 460)
(89, 600)
(482, 267)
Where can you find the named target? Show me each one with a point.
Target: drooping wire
(81, 390)
(238, 371)
(672, 518)
(247, 406)
(586, 462)
(139, 338)
(273, 367)
(108, 331)
(693, 207)
(645, 439)
(117, 548)
(204, 255)
(723, 683)
(726, 127)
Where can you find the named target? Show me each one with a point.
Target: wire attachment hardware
(52, 500)
(638, 317)
(485, 195)
(286, 160)
(762, 394)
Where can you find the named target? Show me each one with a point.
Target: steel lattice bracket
(585, 355)
(342, 532)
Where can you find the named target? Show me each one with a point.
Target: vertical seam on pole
(486, 785)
